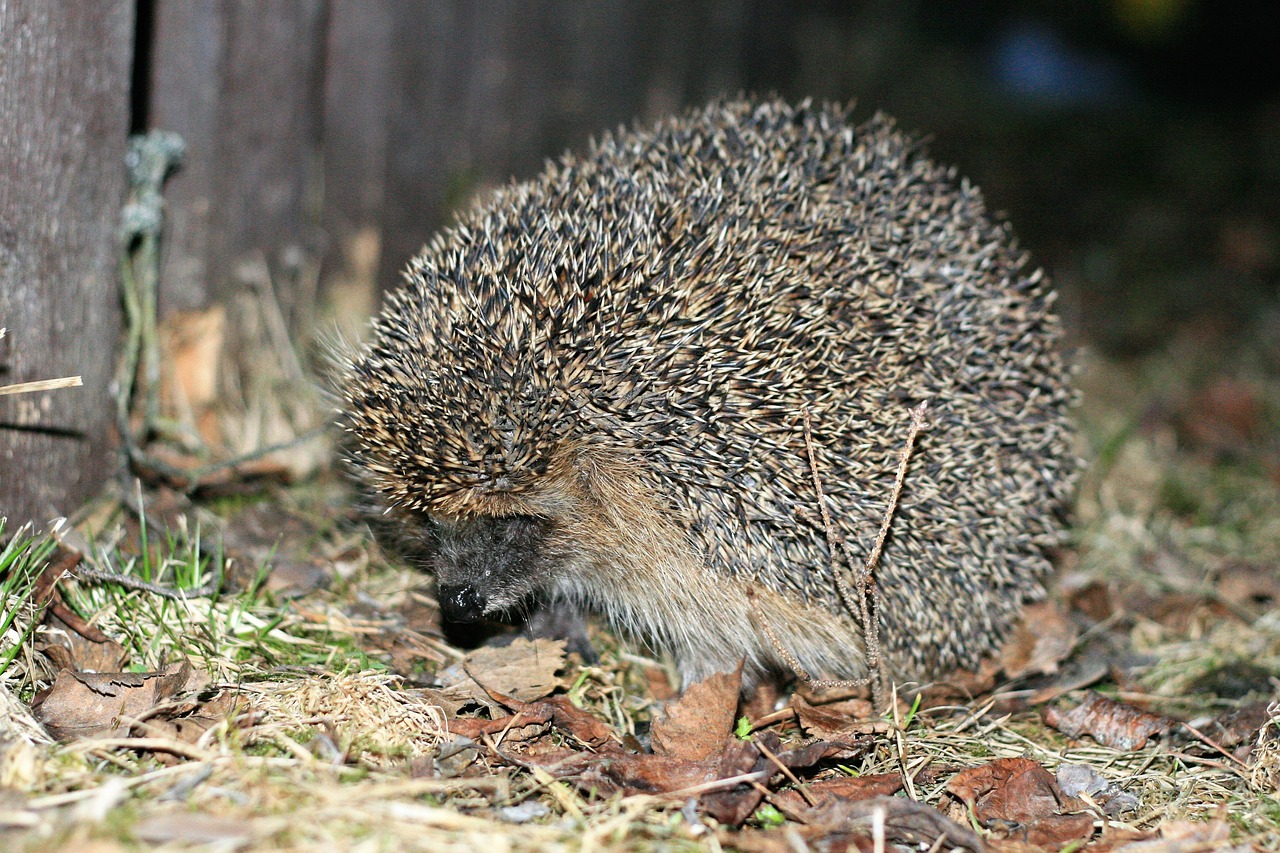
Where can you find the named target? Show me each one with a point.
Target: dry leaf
(453, 698)
(188, 722)
(631, 774)
(759, 759)
(841, 788)
(1253, 588)
(70, 649)
(1042, 640)
(1092, 597)
(848, 719)
(905, 822)
(1109, 722)
(695, 726)
(83, 704)
(1022, 798)
(582, 725)
(1239, 726)
(764, 755)
(524, 670)
(531, 721)
(661, 686)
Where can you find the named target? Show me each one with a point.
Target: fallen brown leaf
(904, 822)
(720, 782)
(524, 670)
(530, 721)
(73, 643)
(1238, 729)
(1094, 598)
(1109, 722)
(1088, 667)
(846, 788)
(582, 725)
(660, 684)
(1180, 835)
(189, 721)
(695, 727)
(1250, 587)
(1042, 640)
(69, 648)
(1180, 612)
(847, 719)
(764, 755)
(733, 805)
(83, 704)
(1021, 798)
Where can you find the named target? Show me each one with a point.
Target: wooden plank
(186, 60)
(241, 82)
(357, 101)
(487, 90)
(64, 117)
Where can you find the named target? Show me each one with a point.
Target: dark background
(1134, 144)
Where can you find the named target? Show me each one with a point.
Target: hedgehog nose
(461, 603)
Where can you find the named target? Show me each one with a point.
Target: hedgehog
(591, 392)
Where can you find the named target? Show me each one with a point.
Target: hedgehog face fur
(490, 564)
(592, 389)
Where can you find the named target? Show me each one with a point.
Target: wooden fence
(333, 131)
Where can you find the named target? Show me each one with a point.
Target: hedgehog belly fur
(593, 387)
(643, 574)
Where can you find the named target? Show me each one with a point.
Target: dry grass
(330, 748)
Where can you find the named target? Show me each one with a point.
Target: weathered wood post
(241, 83)
(64, 119)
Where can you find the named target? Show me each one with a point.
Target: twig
(918, 424)
(41, 385)
(188, 480)
(148, 744)
(786, 771)
(1217, 747)
(721, 784)
(208, 588)
(858, 598)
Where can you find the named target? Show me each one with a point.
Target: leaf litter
(310, 701)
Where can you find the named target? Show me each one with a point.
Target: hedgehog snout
(461, 602)
(490, 565)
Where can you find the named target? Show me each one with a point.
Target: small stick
(786, 771)
(858, 598)
(41, 385)
(918, 424)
